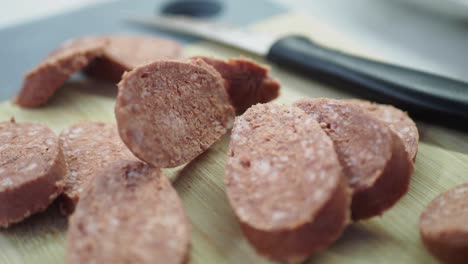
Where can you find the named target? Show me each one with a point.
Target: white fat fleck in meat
(405, 130)
(308, 121)
(278, 216)
(30, 167)
(50, 141)
(33, 132)
(73, 174)
(77, 130)
(133, 174)
(2, 170)
(6, 134)
(193, 77)
(145, 93)
(138, 136)
(113, 222)
(319, 194)
(91, 228)
(441, 201)
(6, 182)
(263, 166)
(242, 126)
(311, 176)
(460, 191)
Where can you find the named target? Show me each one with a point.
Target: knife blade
(424, 95)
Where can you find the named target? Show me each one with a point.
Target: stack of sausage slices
(296, 175)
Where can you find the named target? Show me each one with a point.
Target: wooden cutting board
(442, 162)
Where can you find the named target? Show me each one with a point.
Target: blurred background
(431, 35)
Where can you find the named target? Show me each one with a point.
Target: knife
(424, 95)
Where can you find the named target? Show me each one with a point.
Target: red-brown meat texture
(129, 214)
(373, 157)
(41, 83)
(285, 183)
(169, 112)
(247, 82)
(87, 147)
(125, 52)
(31, 170)
(444, 226)
(397, 120)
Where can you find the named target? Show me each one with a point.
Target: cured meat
(397, 120)
(374, 158)
(444, 226)
(247, 82)
(88, 147)
(125, 52)
(285, 183)
(129, 214)
(41, 83)
(31, 170)
(169, 112)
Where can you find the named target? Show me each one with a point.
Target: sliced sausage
(169, 112)
(285, 183)
(247, 82)
(126, 52)
(129, 214)
(31, 170)
(42, 82)
(87, 147)
(444, 226)
(397, 120)
(374, 158)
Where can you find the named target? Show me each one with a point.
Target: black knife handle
(424, 95)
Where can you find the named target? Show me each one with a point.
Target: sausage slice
(444, 226)
(374, 158)
(247, 82)
(169, 112)
(88, 147)
(397, 120)
(285, 183)
(126, 52)
(130, 214)
(42, 82)
(31, 170)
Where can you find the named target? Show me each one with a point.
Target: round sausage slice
(444, 226)
(374, 158)
(125, 52)
(41, 83)
(169, 112)
(87, 147)
(397, 120)
(285, 183)
(129, 214)
(247, 82)
(31, 170)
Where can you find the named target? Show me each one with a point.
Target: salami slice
(87, 147)
(374, 158)
(169, 112)
(126, 52)
(31, 170)
(444, 226)
(130, 214)
(41, 83)
(397, 120)
(285, 183)
(247, 82)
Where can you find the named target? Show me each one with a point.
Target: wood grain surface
(442, 162)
